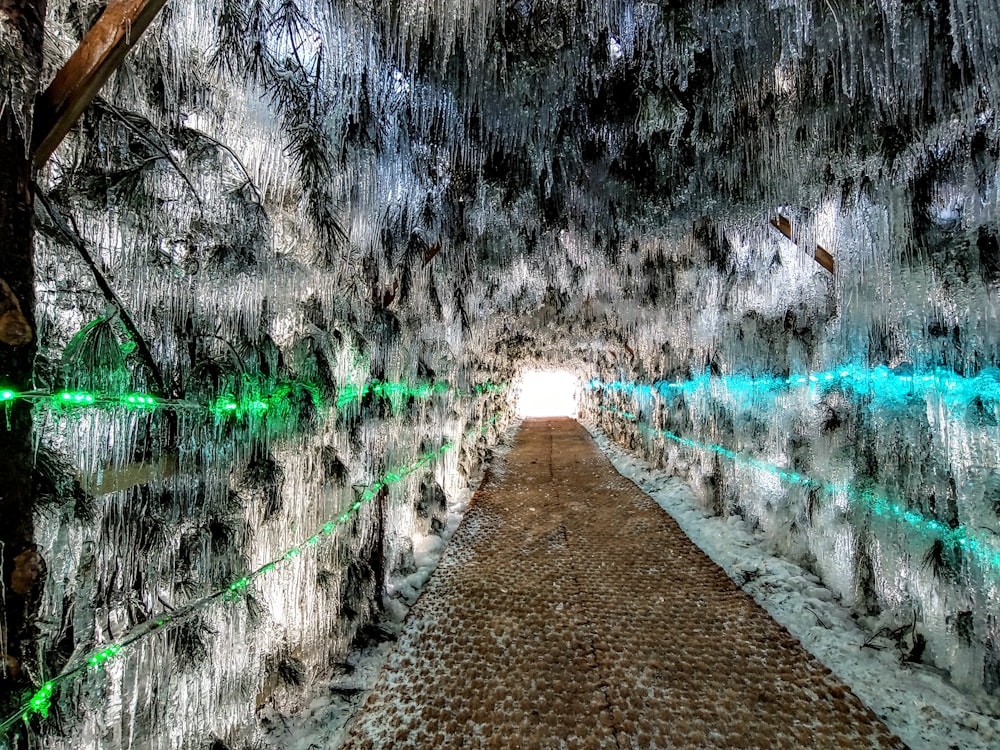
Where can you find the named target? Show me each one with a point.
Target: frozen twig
(128, 121)
(76, 239)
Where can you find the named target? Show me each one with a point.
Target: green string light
(76, 397)
(257, 400)
(490, 387)
(102, 656)
(237, 587)
(41, 701)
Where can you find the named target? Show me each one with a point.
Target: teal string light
(883, 384)
(41, 701)
(983, 547)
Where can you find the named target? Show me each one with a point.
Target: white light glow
(548, 393)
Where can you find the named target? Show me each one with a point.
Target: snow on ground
(916, 703)
(332, 703)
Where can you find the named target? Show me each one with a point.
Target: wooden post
(76, 84)
(783, 225)
(21, 24)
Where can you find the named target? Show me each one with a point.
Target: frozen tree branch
(75, 238)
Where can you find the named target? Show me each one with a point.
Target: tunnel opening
(548, 393)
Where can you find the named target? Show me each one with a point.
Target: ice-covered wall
(852, 420)
(886, 489)
(250, 401)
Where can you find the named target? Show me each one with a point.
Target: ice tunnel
(280, 281)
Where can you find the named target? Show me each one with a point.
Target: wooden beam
(783, 225)
(76, 84)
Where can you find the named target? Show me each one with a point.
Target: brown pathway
(570, 611)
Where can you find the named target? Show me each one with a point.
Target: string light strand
(256, 399)
(982, 546)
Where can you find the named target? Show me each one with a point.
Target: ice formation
(319, 234)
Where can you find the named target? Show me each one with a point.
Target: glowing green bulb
(7, 395)
(100, 657)
(41, 701)
(236, 588)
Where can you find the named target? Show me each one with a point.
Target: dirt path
(571, 611)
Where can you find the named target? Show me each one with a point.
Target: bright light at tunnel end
(548, 393)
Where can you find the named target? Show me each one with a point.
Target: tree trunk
(21, 23)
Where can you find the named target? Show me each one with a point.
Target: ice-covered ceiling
(583, 176)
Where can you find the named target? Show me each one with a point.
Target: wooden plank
(783, 225)
(76, 84)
